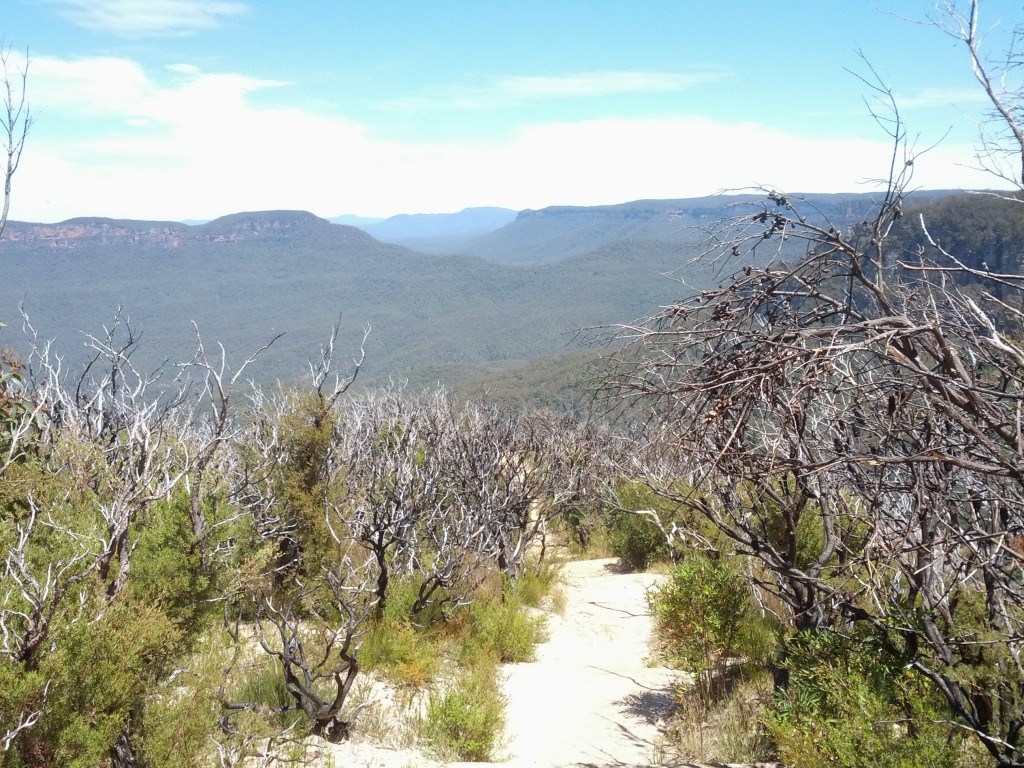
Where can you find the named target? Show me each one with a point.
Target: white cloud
(200, 147)
(928, 98)
(135, 18)
(513, 91)
(120, 88)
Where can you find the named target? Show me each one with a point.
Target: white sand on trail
(589, 700)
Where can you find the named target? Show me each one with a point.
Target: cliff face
(74, 233)
(166, 235)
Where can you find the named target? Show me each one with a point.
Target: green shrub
(166, 568)
(636, 540)
(265, 688)
(850, 704)
(636, 533)
(702, 613)
(467, 722)
(99, 675)
(182, 712)
(400, 651)
(724, 730)
(586, 531)
(538, 582)
(500, 628)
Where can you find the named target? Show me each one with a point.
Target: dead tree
(848, 416)
(317, 647)
(394, 484)
(17, 121)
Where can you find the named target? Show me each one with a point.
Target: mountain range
(505, 297)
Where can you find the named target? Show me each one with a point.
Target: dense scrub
(187, 578)
(845, 424)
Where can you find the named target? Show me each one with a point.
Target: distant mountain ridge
(551, 234)
(245, 277)
(438, 232)
(466, 221)
(350, 219)
(541, 236)
(235, 227)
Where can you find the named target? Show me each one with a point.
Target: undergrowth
(467, 721)
(453, 657)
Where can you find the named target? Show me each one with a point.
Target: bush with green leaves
(705, 618)
(636, 539)
(636, 529)
(467, 721)
(500, 627)
(850, 702)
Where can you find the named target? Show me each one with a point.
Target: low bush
(264, 689)
(467, 721)
(585, 531)
(705, 616)
(638, 532)
(727, 729)
(850, 704)
(501, 628)
(539, 582)
(636, 540)
(707, 622)
(402, 652)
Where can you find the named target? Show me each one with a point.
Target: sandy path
(589, 699)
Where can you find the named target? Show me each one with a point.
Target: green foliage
(264, 687)
(99, 676)
(638, 533)
(302, 482)
(167, 568)
(562, 383)
(466, 722)
(636, 540)
(849, 703)
(15, 404)
(501, 628)
(701, 611)
(404, 653)
(585, 529)
(182, 711)
(723, 730)
(633, 534)
(539, 581)
(983, 231)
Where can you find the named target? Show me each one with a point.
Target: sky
(192, 109)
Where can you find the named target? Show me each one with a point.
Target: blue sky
(191, 109)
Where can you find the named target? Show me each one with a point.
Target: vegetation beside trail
(821, 444)
(180, 570)
(196, 560)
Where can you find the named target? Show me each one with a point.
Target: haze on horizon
(191, 109)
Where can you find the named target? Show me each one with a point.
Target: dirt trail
(589, 700)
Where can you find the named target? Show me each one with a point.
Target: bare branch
(17, 120)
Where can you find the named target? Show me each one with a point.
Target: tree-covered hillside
(244, 278)
(984, 231)
(552, 234)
